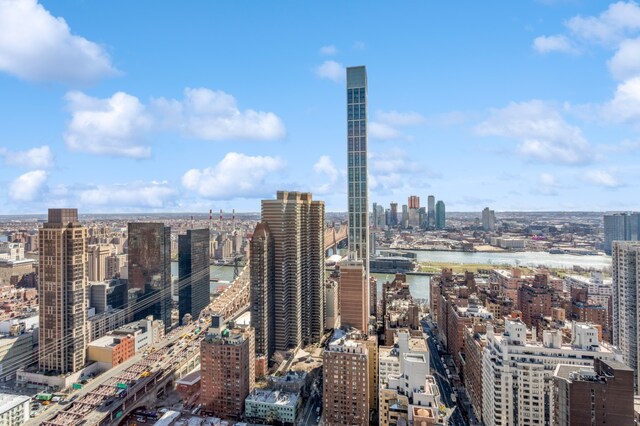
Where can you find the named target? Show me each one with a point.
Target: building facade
(358, 189)
(441, 220)
(354, 300)
(602, 395)
(289, 268)
(149, 259)
(63, 292)
(625, 281)
(193, 272)
(227, 371)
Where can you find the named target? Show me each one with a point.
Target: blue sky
(163, 106)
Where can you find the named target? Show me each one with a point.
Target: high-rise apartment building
(193, 272)
(358, 190)
(431, 211)
(290, 265)
(517, 371)
(227, 369)
(63, 292)
(97, 261)
(625, 280)
(414, 202)
(602, 395)
(488, 219)
(620, 227)
(440, 215)
(149, 258)
(354, 298)
(347, 381)
(393, 214)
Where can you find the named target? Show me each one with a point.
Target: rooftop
(8, 401)
(273, 397)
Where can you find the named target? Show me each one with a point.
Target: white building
(269, 405)
(517, 371)
(599, 289)
(626, 278)
(390, 360)
(14, 409)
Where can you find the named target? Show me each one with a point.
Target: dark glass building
(193, 270)
(149, 253)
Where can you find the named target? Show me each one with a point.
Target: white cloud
(543, 133)
(121, 125)
(555, 43)
(386, 123)
(28, 186)
(395, 118)
(626, 61)
(34, 158)
(113, 126)
(214, 115)
(36, 46)
(384, 132)
(325, 166)
(237, 175)
(332, 179)
(359, 45)
(135, 194)
(602, 178)
(331, 70)
(392, 170)
(625, 105)
(329, 50)
(610, 26)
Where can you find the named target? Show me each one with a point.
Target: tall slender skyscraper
(440, 215)
(357, 164)
(63, 292)
(149, 252)
(431, 211)
(287, 262)
(620, 227)
(193, 272)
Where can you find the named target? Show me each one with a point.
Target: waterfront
(525, 258)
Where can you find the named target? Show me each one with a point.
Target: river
(526, 258)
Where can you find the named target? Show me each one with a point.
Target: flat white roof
(9, 401)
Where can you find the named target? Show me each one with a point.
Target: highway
(440, 375)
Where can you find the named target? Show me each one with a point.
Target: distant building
(620, 227)
(97, 261)
(431, 211)
(193, 273)
(62, 292)
(488, 219)
(227, 371)
(149, 252)
(440, 215)
(626, 279)
(598, 395)
(393, 214)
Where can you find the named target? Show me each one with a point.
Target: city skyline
(237, 120)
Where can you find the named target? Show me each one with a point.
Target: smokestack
(233, 220)
(221, 219)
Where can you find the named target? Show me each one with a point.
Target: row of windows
(357, 112)
(356, 95)
(357, 144)
(357, 159)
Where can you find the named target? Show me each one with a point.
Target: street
(440, 375)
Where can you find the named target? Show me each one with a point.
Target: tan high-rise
(354, 299)
(63, 292)
(296, 227)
